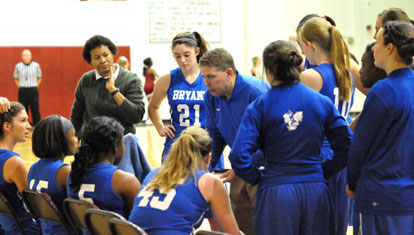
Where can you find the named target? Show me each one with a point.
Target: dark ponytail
(193, 39)
(147, 63)
(99, 136)
(283, 61)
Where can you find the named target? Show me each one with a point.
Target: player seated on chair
(53, 139)
(94, 178)
(14, 128)
(175, 197)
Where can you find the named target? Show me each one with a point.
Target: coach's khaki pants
(242, 197)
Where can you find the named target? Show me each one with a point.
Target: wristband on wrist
(114, 92)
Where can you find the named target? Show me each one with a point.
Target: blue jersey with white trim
(97, 188)
(186, 102)
(42, 178)
(330, 89)
(10, 191)
(181, 208)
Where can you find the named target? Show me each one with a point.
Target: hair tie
(186, 39)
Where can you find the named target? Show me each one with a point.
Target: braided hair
(99, 136)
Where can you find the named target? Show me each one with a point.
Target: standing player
(150, 76)
(181, 191)
(380, 172)
(229, 93)
(324, 46)
(391, 14)
(289, 123)
(184, 87)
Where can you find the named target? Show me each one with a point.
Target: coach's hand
(228, 176)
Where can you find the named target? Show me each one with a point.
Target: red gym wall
(62, 67)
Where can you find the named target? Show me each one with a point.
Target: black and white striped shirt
(27, 74)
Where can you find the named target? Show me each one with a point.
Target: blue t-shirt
(186, 102)
(10, 191)
(42, 178)
(288, 124)
(178, 211)
(381, 157)
(224, 115)
(97, 188)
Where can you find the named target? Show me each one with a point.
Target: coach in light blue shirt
(28, 76)
(229, 93)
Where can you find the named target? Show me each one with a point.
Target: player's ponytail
(186, 156)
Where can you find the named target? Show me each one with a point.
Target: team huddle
(299, 163)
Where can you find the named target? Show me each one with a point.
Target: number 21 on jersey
(184, 111)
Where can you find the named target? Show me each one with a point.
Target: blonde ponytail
(186, 156)
(341, 64)
(328, 37)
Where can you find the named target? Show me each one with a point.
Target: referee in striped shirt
(28, 77)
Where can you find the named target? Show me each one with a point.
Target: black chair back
(120, 227)
(41, 206)
(206, 232)
(97, 221)
(75, 211)
(7, 209)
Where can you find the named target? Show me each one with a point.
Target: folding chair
(120, 227)
(42, 207)
(206, 232)
(7, 209)
(97, 221)
(75, 211)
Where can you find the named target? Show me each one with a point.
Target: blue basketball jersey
(42, 178)
(181, 209)
(10, 191)
(186, 102)
(96, 188)
(330, 88)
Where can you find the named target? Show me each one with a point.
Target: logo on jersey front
(188, 95)
(293, 120)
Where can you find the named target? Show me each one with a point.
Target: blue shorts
(383, 224)
(302, 208)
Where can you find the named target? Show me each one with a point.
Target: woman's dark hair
(304, 19)
(372, 74)
(193, 39)
(49, 138)
(310, 16)
(401, 35)
(394, 14)
(147, 63)
(330, 20)
(283, 61)
(99, 136)
(95, 42)
(15, 108)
